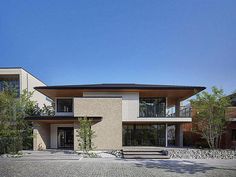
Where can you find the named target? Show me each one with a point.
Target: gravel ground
(108, 167)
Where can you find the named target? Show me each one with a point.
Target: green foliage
(210, 117)
(85, 135)
(15, 132)
(47, 110)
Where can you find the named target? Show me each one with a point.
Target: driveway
(73, 165)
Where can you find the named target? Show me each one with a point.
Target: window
(234, 135)
(64, 105)
(10, 82)
(144, 135)
(152, 107)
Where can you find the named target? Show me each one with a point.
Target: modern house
(20, 79)
(121, 114)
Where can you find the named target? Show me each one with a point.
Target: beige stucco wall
(41, 136)
(109, 130)
(130, 102)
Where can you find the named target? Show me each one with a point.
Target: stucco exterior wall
(29, 82)
(130, 102)
(41, 133)
(109, 130)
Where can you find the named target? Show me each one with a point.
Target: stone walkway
(57, 164)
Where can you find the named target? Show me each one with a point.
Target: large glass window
(10, 82)
(152, 107)
(64, 105)
(144, 135)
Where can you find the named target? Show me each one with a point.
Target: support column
(166, 135)
(178, 135)
(35, 134)
(76, 143)
(177, 108)
(41, 136)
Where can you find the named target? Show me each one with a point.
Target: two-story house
(121, 114)
(20, 79)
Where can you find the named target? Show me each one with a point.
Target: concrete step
(142, 149)
(146, 156)
(143, 152)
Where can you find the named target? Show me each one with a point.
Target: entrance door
(65, 137)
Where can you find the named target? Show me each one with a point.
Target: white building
(23, 80)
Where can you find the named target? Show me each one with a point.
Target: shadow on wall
(176, 166)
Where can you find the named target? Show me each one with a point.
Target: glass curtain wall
(144, 135)
(152, 107)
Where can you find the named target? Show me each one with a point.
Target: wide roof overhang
(180, 92)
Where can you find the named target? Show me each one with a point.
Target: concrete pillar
(177, 108)
(166, 135)
(41, 136)
(178, 135)
(76, 143)
(35, 134)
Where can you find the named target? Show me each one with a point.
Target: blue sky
(191, 42)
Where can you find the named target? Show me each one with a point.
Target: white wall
(28, 81)
(130, 102)
(53, 133)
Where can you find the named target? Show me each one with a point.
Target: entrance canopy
(60, 119)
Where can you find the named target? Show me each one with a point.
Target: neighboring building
(122, 115)
(229, 137)
(20, 79)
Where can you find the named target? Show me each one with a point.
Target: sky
(184, 42)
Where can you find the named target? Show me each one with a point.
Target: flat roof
(25, 71)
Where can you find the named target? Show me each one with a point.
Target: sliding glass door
(65, 137)
(144, 135)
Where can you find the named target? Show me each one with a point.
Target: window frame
(152, 98)
(65, 98)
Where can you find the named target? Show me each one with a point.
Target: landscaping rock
(186, 153)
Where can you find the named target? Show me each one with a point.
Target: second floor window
(152, 107)
(10, 82)
(64, 105)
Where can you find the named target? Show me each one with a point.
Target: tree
(14, 129)
(211, 115)
(48, 110)
(85, 135)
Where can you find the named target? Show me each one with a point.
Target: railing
(183, 112)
